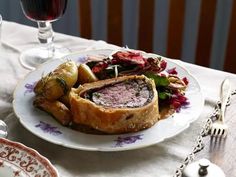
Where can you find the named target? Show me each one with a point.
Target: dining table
(158, 160)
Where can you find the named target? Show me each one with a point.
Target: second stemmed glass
(0, 30)
(43, 12)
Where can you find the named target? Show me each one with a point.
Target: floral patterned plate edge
(18, 160)
(44, 126)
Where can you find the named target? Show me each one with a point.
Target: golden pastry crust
(113, 120)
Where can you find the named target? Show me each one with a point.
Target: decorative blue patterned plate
(44, 126)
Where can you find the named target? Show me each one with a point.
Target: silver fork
(219, 128)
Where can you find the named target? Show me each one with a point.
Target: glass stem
(46, 36)
(0, 30)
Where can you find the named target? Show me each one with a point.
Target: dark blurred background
(69, 24)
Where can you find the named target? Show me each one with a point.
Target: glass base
(32, 58)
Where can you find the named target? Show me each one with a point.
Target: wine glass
(43, 12)
(3, 129)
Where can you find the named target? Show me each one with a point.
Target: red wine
(43, 10)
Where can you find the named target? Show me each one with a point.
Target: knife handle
(225, 95)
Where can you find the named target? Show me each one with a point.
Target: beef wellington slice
(118, 105)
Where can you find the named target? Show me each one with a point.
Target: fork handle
(225, 94)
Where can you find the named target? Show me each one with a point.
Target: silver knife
(225, 94)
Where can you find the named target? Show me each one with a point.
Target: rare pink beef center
(126, 94)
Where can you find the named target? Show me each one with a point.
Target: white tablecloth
(159, 160)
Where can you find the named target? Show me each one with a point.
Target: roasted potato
(57, 109)
(59, 82)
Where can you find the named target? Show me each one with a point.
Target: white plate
(17, 160)
(44, 126)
